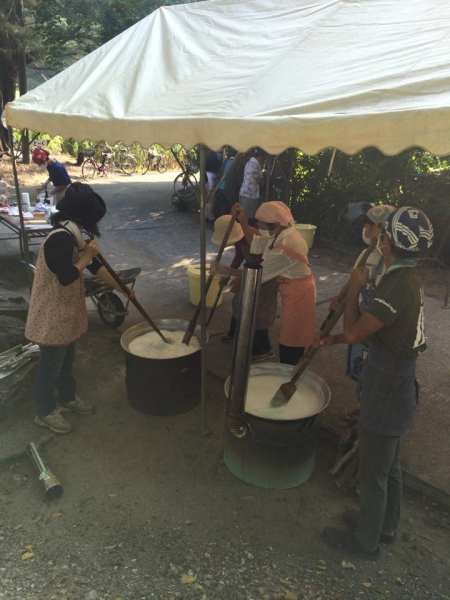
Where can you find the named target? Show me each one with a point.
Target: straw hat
(220, 227)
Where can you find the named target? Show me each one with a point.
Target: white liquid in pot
(150, 345)
(262, 388)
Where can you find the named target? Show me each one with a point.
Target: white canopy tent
(308, 74)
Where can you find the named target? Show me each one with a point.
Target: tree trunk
(23, 86)
(8, 74)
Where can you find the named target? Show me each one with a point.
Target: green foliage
(70, 30)
(413, 177)
(118, 15)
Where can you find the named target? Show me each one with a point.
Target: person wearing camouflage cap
(372, 221)
(387, 389)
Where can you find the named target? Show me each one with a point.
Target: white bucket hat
(220, 227)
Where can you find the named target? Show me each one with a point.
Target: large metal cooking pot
(274, 453)
(156, 386)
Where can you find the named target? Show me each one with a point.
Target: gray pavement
(142, 229)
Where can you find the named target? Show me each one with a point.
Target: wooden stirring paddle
(288, 389)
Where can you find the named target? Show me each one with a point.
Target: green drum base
(270, 467)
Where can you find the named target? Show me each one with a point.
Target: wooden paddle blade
(283, 394)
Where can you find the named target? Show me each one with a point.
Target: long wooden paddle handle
(193, 322)
(124, 288)
(361, 262)
(223, 282)
(326, 329)
(331, 319)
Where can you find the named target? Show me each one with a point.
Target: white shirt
(252, 177)
(277, 261)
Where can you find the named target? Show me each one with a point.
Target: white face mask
(379, 248)
(365, 239)
(265, 233)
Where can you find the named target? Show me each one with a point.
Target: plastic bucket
(307, 232)
(194, 287)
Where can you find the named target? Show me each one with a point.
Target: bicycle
(155, 162)
(185, 184)
(93, 167)
(127, 162)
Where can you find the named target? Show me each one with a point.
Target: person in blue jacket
(57, 174)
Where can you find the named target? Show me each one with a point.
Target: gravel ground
(150, 511)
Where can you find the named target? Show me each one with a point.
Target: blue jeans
(55, 371)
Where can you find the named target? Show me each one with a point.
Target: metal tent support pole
(22, 237)
(447, 291)
(268, 179)
(204, 431)
(242, 354)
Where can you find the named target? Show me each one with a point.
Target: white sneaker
(77, 406)
(55, 422)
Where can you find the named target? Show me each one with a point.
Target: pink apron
(298, 312)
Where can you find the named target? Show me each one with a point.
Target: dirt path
(151, 511)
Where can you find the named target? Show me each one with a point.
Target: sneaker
(55, 422)
(78, 406)
(350, 518)
(227, 338)
(346, 541)
(256, 358)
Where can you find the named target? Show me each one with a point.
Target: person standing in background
(228, 192)
(249, 192)
(212, 167)
(57, 174)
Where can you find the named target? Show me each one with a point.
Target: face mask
(264, 233)
(380, 247)
(365, 239)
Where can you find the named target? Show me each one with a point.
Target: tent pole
(204, 431)
(22, 236)
(333, 156)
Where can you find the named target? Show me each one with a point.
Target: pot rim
(167, 324)
(281, 368)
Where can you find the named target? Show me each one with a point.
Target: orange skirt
(298, 311)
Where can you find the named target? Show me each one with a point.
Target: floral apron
(57, 315)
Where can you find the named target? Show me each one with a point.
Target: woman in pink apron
(284, 259)
(57, 315)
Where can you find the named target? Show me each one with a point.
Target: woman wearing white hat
(262, 349)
